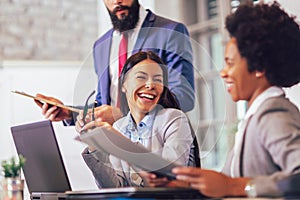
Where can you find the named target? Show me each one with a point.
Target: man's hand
(53, 113)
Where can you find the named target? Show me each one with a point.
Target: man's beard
(127, 22)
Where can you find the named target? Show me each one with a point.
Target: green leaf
(11, 168)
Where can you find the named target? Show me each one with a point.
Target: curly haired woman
(262, 56)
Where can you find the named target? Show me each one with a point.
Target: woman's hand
(81, 128)
(211, 183)
(80, 122)
(84, 125)
(104, 113)
(151, 180)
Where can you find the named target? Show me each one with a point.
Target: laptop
(44, 169)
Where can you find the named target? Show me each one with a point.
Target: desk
(62, 196)
(134, 193)
(128, 193)
(129, 196)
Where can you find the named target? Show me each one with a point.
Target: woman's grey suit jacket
(271, 144)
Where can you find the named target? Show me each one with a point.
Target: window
(214, 109)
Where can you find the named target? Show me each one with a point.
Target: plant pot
(12, 188)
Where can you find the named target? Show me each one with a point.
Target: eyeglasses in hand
(86, 107)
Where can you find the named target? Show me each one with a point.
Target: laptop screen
(44, 169)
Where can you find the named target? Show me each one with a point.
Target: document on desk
(113, 142)
(47, 101)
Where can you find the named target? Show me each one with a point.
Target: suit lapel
(106, 53)
(105, 78)
(236, 162)
(146, 27)
(241, 156)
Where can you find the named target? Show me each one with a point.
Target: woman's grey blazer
(271, 144)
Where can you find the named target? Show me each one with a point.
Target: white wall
(292, 7)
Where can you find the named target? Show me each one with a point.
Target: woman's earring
(258, 74)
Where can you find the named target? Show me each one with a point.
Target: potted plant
(11, 168)
(13, 184)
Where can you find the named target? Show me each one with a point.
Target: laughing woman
(261, 57)
(153, 120)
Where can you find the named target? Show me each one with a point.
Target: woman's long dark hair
(167, 99)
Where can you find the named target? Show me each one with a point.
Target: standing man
(135, 29)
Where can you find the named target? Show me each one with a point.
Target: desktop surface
(127, 193)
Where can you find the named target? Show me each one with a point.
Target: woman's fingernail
(174, 170)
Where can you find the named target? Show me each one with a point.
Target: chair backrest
(194, 159)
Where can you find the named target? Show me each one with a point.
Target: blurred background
(46, 47)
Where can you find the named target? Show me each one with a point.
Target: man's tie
(122, 59)
(122, 52)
